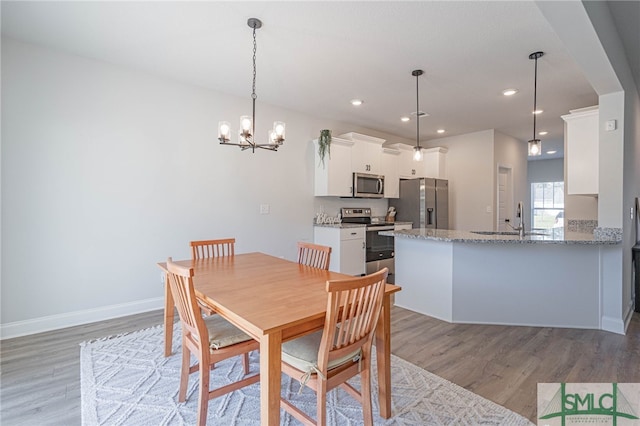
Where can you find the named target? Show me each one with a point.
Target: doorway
(505, 198)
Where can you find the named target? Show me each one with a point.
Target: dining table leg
(383, 354)
(168, 317)
(270, 372)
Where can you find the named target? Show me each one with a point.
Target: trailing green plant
(324, 144)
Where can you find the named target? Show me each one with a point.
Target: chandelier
(535, 146)
(247, 124)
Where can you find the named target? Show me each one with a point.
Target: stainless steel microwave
(368, 186)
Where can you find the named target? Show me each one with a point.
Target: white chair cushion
(222, 333)
(302, 353)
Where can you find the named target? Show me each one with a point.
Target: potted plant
(324, 144)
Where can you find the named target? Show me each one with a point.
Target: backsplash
(581, 225)
(614, 234)
(591, 227)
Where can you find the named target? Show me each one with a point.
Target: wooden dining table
(274, 300)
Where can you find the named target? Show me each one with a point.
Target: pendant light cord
(535, 95)
(417, 112)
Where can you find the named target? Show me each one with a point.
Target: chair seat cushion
(302, 354)
(222, 333)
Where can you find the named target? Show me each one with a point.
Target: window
(547, 201)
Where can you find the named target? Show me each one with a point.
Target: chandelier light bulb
(224, 130)
(245, 123)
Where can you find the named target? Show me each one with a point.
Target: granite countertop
(351, 225)
(553, 236)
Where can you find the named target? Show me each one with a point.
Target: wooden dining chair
(212, 248)
(222, 340)
(327, 359)
(204, 249)
(314, 255)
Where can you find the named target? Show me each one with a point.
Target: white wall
(545, 170)
(470, 168)
(512, 153)
(107, 171)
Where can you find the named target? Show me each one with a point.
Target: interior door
(504, 198)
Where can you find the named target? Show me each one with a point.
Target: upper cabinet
(389, 161)
(581, 139)
(333, 175)
(357, 153)
(365, 153)
(433, 164)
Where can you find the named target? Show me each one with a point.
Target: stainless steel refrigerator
(423, 201)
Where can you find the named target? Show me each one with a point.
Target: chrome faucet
(519, 215)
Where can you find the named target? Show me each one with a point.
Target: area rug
(126, 380)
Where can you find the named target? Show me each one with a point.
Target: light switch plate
(610, 125)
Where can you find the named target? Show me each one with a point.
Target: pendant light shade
(417, 155)
(535, 145)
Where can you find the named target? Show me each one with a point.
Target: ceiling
(315, 57)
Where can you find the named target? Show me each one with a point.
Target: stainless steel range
(379, 249)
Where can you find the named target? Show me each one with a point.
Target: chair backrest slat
(315, 255)
(212, 248)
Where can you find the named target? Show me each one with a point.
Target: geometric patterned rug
(126, 380)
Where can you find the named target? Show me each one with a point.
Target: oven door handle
(380, 228)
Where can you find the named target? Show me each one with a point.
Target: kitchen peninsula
(550, 279)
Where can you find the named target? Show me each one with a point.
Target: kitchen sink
(505, 233)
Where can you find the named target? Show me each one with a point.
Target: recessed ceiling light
(551, 152)
(509, 92)
(543, 133)
(356, 102)
(440, 130)
(538, 111)
(404, 119)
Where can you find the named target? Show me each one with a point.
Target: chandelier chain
(255, 45)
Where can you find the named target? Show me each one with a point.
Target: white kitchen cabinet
(433, 164)
(347, 248)
(407, 168)
(334, 176)
(389, 160)
(581, 150)
(365, 153)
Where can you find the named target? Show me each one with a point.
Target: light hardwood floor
(40, 374)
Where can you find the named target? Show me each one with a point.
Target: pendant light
(535, 146)
(248, 124)
(417, 155)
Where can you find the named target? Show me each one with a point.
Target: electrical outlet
(264, 208)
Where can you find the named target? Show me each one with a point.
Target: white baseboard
(54, 322)
(614, 325)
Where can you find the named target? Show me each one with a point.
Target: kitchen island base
(556, 285)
